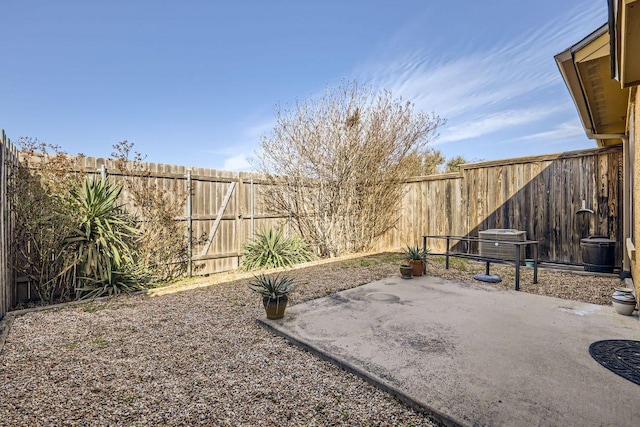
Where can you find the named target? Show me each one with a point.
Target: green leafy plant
(415, 253)
(103, 241)
(272, 287)
(119, 282)
(272, 249)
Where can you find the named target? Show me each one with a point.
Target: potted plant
(275, 293)
(415, 257)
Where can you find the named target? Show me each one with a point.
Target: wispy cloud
(484, 90)
(563, 131)
(493, 122)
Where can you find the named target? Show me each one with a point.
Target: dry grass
(199, 358)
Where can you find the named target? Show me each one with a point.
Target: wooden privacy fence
(223, 210)
(8, 156)
(538, 194)
(541, 195)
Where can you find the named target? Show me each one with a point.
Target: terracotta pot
(275, 307)
(416, 266)
(406, 271)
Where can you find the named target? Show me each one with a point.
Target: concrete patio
(473, 354)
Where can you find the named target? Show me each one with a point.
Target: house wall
(635, 199)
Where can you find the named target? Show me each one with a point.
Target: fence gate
(216, 224)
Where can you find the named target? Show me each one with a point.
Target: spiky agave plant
(275, 293)
(272, 287)
(103, 241)
(415, 253)
(271, 249)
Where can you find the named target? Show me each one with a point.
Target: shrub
(71, 235)
(42, 208)
(272, 249)
(102, 241)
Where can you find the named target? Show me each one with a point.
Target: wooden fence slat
(216, 224)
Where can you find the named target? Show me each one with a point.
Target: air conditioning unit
(498, 250)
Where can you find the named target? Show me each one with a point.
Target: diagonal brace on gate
(216, 224)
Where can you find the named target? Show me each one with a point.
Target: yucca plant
(272, 287)
(120, 282)
(275, 293)
(415, 253)
(103, 240)
(271, 249)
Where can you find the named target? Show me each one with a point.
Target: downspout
(626, 195)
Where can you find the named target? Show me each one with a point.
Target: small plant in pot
(275, 293)
(415, 257)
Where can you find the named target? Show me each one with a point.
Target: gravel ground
(578, 286)
(198, 357)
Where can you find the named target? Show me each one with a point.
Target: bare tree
(337, 164)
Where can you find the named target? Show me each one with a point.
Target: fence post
(103, 172)
(9, 158)
(12, 151)
(189, 227)
(239, 217)
(3, 236)
(252, 231)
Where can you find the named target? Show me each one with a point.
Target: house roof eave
(601, 104)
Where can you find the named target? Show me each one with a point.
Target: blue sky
(195, 82)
